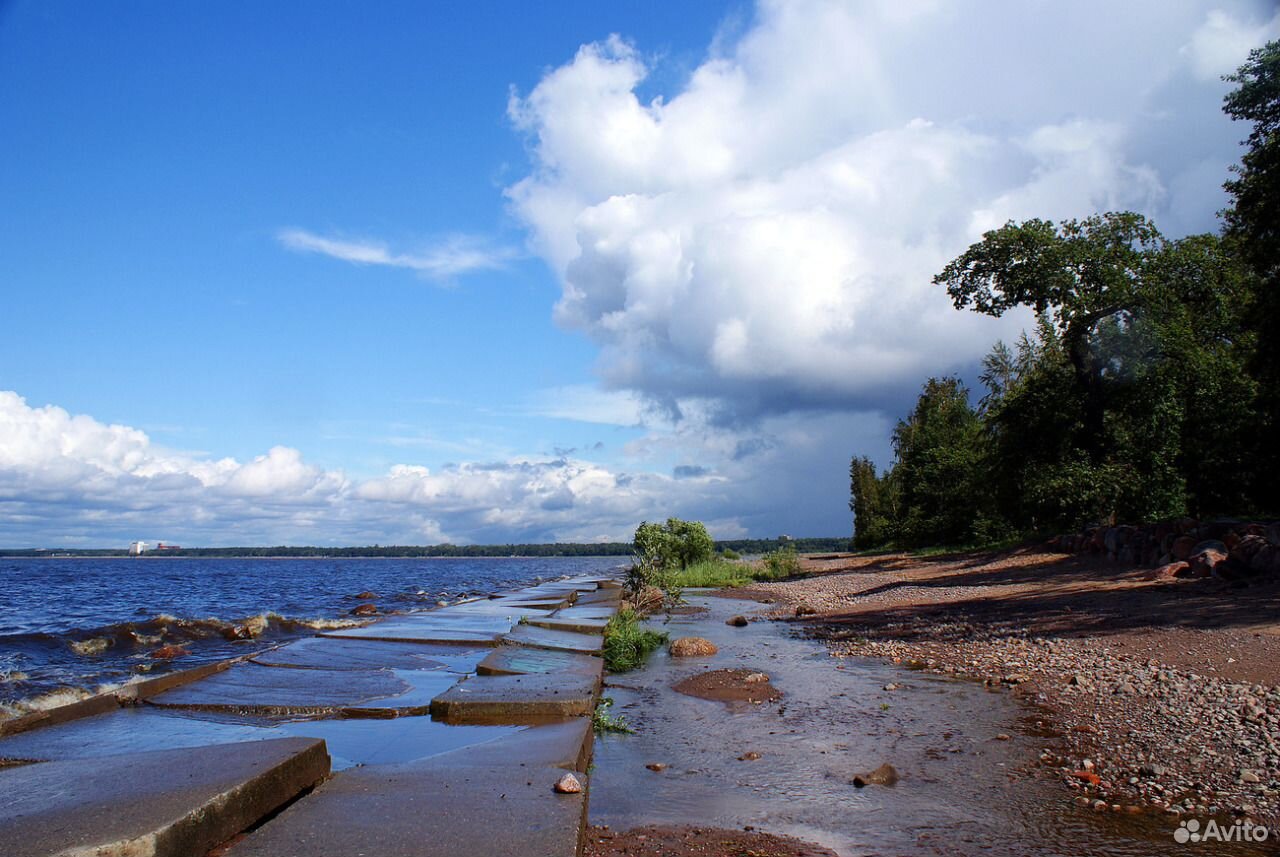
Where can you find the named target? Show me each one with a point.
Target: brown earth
(730, 686)
(1165, 690)
(685, 841)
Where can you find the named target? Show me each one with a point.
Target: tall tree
(1253, 221)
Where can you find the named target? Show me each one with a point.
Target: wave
(168, 630)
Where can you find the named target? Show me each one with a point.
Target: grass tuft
(603, 721)
(626, 644)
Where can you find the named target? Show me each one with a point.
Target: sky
(343, 273)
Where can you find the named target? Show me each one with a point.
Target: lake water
(70, 626)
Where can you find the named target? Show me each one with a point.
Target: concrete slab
(580, 611)
(168, 802)
(601, 597)
(547, 638)
(516, 698)
(274, 691)
(337, 654)
(581, 626)
(350, 742)
(431, 628)
(428, 809)
(522, 660)
(566, 745)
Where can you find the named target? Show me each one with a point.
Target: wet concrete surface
(327, 653)
(521, 660)
(559, 622)
(363, 691)
(962, 790)
(516, 698)
(547, 638)
(167, 802)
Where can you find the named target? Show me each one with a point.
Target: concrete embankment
(436, 733)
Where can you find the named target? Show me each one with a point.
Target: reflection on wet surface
(959, 793)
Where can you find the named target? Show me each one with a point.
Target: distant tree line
(746, 546)
(1149, 389)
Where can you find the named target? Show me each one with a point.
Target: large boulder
(1205, 563)
(1182, 548)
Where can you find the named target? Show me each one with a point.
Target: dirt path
(1166, 690)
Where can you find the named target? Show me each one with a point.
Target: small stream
(962, 790)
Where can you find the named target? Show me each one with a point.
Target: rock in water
(737, 621)
(365, 610)
(756, 678)
(885, 775)
(657, 767)
(692, 647)
(367, 595)
(568, 785)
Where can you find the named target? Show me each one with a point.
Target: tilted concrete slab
(522, 660)
(580, 611)
(610, 598)
(568, 623)
(547, 638)
(516, 698)
(338, 654)
(275, 691)
(168, 802)
(442, 807)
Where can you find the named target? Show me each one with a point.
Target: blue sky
(342, 273)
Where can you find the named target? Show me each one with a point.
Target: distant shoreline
(446, 551)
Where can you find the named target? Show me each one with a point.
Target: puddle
(958, 793)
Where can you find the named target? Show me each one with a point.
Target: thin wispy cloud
(451, 257)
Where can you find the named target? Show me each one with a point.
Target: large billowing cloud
(68, 480)
(763, 237)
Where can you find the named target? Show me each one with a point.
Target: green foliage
(730, 554)
(626, 644)
(675, 544)
(603, 721)
(780, 564)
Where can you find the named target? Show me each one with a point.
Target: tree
(1077, 275)
(874, 503)
(674, 544)
(1253, 223)
(938, 465)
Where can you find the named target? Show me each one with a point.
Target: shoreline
(1164, 693)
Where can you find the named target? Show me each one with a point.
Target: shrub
(783, 562)
(730, 553)
(626, 644)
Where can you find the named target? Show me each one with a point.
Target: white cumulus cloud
(763, 237)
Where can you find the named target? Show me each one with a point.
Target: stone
(749, 756)
(1169, 571)
(367, 595)
(806, 610)
(1087, 777)
(164, 803)
(737, 621)
(169, 652)
(885, 775)
(692, 647)
(568, 785)
(364, 610)
(657, 767)
(890, 686)
(1182, 548)
(1250, 777)
(1204, 563)
(756, 678)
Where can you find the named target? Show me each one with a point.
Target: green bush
(782, 563)
(730, 553)
(626, 644)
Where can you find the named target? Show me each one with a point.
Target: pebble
(568, 785)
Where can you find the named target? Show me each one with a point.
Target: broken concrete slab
(339, 654)
(167, 802)
(523, 660)
(600, 598)
(516, 698)
(432, 808)
(580, 611)
(548, 638)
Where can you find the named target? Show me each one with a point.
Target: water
(68, 626)
(963, 791)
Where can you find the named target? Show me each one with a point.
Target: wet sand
(1165, 691)
(967, 754)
